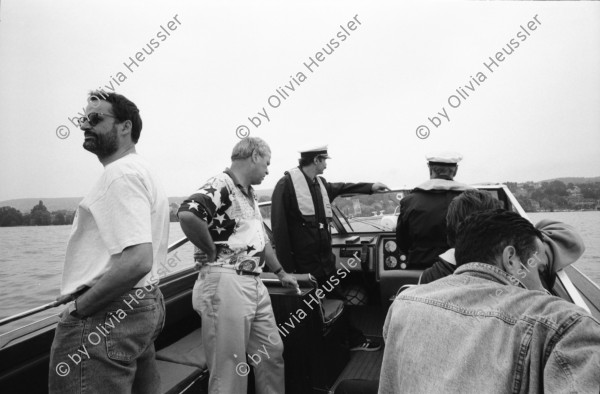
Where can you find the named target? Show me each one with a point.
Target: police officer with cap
(300, 216)
(421, 229)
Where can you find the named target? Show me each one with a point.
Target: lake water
(31, 260)
(588, 225)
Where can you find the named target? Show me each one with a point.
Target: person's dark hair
(443, 171)
(123, 109)
(469, 202)
(482, 236)
(306, 161)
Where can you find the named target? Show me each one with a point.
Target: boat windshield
(369, 213)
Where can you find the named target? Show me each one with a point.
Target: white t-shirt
(127, 206)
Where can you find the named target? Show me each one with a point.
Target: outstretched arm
(339, 188)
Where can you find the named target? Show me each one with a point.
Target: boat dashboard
(364, 241)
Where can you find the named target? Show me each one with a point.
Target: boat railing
(177, 244)
(27, 329)
(22, 331)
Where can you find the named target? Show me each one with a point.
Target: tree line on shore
(556, 195)
(40, 216)
(533, 196)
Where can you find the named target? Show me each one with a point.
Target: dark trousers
(353, 335)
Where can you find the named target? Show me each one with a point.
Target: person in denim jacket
(491, 327)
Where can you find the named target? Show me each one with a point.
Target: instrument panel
(391, 257)
(355, 249)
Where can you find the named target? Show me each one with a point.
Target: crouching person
(562, 243)
(104, 340)
(223, 219)
(491, 326)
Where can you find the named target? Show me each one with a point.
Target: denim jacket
(481, 331)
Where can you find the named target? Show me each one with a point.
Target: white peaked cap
(444, 157)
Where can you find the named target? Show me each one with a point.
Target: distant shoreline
(68, 224)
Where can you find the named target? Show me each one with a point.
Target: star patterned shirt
(234, 222)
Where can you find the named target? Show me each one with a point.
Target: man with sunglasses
(105, 338)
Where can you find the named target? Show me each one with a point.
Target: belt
(226, 270)
(154, 288)
(314, 225)
(240, 272)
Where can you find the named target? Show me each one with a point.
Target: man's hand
(202, 258)
(379, 188)
(197, 232)
(288, 280)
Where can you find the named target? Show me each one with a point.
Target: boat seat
(182, 363)
(331, 310)
(176, 377)
(189, 350)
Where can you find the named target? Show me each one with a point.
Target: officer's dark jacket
(300, 246)
(421, 229)
(445, 265)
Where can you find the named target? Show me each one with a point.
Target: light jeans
(238, 330)
(111, 351)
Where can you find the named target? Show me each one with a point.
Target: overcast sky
(534, 116)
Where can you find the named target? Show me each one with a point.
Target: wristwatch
(73, 310)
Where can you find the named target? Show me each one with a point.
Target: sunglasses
(93, 118)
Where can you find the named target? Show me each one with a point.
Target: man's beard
(103, 145)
